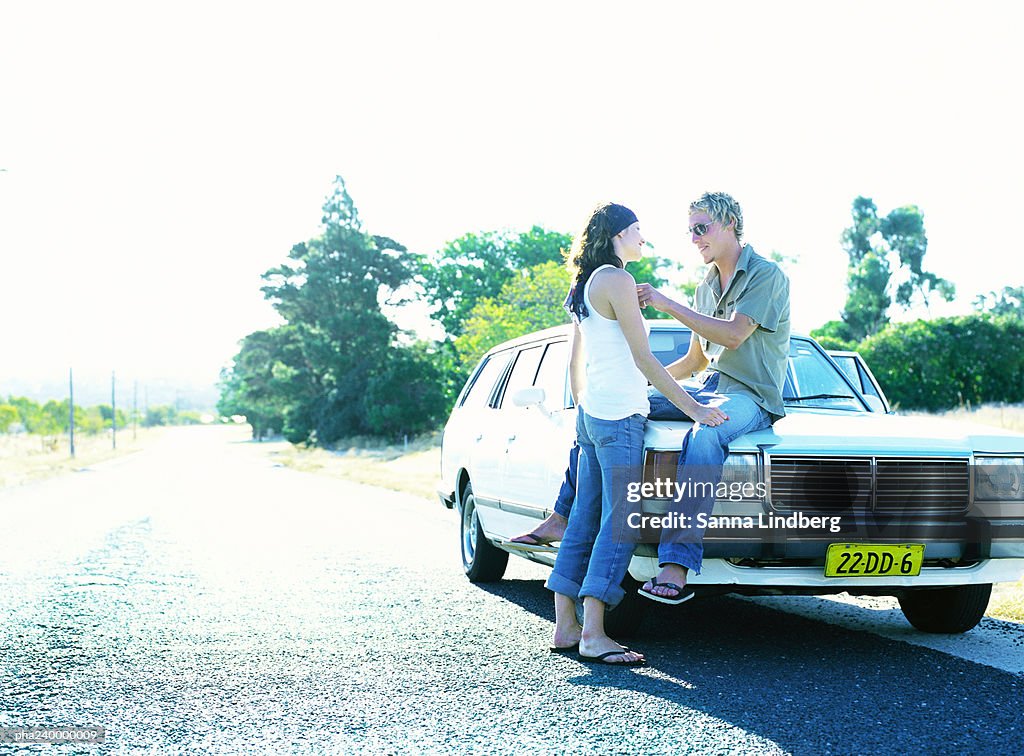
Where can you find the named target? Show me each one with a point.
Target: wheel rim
(469, 531)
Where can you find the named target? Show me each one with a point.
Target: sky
(155, 159)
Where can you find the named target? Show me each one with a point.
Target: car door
(540, 439)
(479, 432)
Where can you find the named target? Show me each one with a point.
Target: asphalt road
(197, 598)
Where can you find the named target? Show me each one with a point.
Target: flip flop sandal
(601, 659)
(683, 593)
(564, 649)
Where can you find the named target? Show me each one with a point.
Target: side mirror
(528, 397)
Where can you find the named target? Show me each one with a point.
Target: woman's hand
(707, 415)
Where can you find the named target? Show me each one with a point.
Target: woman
(612, 360)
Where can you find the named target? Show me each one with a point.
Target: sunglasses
(699, 229)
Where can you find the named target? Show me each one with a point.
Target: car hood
(861, 433)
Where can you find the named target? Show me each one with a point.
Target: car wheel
(481, 560)
(955, 609)
(624, 620)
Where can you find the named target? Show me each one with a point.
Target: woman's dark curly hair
(593, 248)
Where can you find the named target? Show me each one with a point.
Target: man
(740, 326)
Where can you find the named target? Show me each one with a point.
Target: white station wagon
(840, 495)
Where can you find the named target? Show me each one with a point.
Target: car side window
(553, 376)
(866, 383)
(523, 373)
(489, 374)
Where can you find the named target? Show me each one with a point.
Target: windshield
(813, 381)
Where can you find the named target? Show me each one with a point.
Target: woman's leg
(619, 448)
(573, 558)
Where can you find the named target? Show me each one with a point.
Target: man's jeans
(700, 466)
(598, 542)
(567, 493)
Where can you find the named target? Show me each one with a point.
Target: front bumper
(786, 579)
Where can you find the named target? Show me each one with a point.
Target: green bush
(949, 362)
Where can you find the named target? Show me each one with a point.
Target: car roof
(566, 331)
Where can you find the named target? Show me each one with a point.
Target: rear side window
(489, 374)
(523, 372)
(866, 383)
(552, 374)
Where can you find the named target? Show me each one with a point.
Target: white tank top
(615, 388)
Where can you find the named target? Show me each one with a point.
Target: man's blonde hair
(722, 208)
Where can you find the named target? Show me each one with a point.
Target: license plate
(874, 560)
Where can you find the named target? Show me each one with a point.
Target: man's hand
(648, 295)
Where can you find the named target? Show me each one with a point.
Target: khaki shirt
(760, 290)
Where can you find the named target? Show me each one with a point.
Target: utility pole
(113, 412)
(71, 410)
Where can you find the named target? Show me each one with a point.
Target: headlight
(999, 478)
(741, 477)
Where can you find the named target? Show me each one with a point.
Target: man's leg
(553, 527)
(700, 470)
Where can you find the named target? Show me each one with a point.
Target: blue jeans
(598, 542)
(700, 470)
(567, 493)
(661, 409)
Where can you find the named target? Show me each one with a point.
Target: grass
(414, 468)
(1007, 416)
(1007, 601)
(25, 458)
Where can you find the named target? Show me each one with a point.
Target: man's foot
(549, 531)
(668, 593)
(669, 587)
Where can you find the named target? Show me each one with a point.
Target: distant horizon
(90, 391)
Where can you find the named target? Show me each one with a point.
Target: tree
(268, 385)
(407, 396)
(529, 301)
(873, 246)
(331, 294)
(8, 417)
(1009, 302)
(476, 266)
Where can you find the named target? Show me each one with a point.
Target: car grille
(868, 484)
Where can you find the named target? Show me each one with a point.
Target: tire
(955, 609)
(481, 560)
(624, 620)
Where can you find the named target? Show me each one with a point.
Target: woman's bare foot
(566, 637)
(596, 647)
